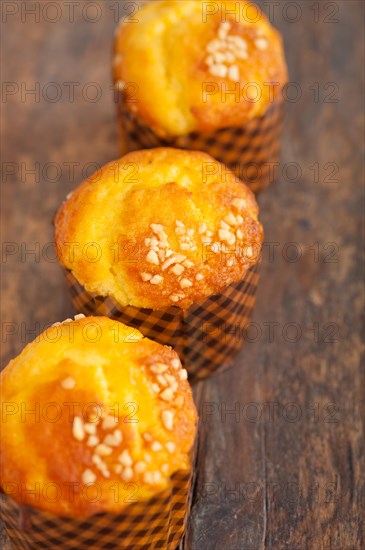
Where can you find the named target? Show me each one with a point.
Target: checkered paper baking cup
(157, 523)
(252, 151)
(206, 336)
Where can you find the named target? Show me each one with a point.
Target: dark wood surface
(285, 471)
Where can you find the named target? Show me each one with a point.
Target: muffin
(168, 241)
(98, 427)
(214, 83)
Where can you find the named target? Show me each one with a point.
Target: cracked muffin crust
(210, 65)
(93, 407)
(158, 228)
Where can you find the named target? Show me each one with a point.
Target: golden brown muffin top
(158, 228)
(112, 415)
(198, 66)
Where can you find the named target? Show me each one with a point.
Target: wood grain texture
(285, 471)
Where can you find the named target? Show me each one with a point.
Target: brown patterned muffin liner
(157, 523)
(252, 151)
(206, 336)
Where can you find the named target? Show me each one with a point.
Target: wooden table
(281, 452)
